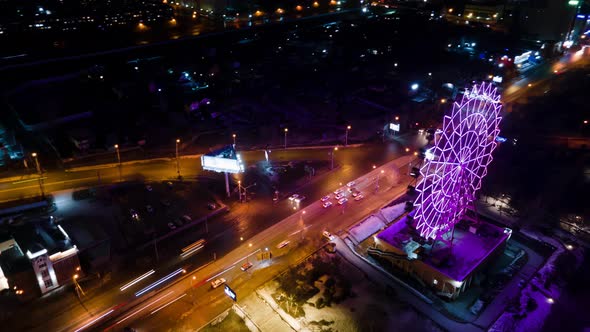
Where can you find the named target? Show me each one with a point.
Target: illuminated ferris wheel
(452, 172)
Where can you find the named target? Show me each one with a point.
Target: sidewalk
(263, 315)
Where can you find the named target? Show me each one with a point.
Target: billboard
(230, 292)
(394, 126)
(223, 160)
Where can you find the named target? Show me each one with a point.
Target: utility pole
(240, 190)
(40, 172)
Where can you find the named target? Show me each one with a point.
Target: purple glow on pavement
(460, 158)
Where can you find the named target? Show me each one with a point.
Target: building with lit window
(36, 258)
(447, 268)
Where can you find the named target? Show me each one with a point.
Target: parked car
(293, 197)
(148, 187)
(171, 226)
(325, 198)
(359, 197)
(337, 191)
(350, 184)
(342, 201)
(339, 196)
(327, 204)
(355, 193)
(186, 219)
(246, 266)
(212, 206)
(218, 282)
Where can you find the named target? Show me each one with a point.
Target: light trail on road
(159, 282)
(94, 320)
(136, 280)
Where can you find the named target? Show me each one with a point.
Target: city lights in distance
(414, 86)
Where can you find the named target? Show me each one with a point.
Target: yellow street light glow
(34, 154)
(336, 148)
(286, 129)
(450, 10)
(442, 101)
(407, 149)
(249, 244)
(177, 140)
(75, 276)
(116, 146)
(316, 4)
(299, 8)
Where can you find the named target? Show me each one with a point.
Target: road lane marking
(147, 305)
(29, 180)
(167, 304)
(220, 273)
(94, 320)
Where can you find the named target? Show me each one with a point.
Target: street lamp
(79, 289)
(177, 159)
(346, 136)
(41, 184)
(396, 118)
(234, 137)
(407, 149)
(118, 159)
(332, 153)
(286, 131)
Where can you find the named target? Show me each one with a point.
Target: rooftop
(469, 248)
(32, 239)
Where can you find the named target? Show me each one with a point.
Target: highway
(165, 169)
(192, 291)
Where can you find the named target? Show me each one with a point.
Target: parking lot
(154, 209)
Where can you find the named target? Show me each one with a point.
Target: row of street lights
(119, 164)
(116, 146)
(286, 130)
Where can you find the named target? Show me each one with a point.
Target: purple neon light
(453, 173)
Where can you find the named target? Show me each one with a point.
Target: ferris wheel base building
(446, 269)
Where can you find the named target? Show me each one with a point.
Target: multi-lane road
(178, 299)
